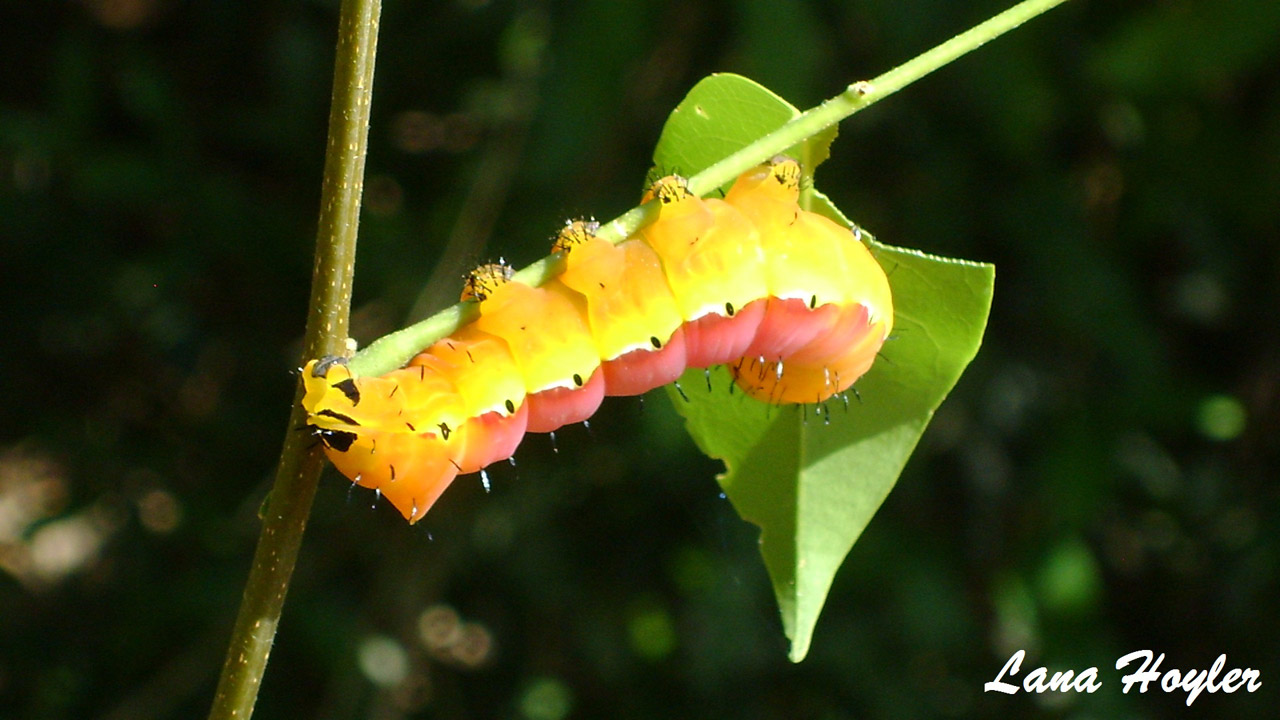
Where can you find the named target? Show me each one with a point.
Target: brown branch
(285, 514)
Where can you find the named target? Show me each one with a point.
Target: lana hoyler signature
(1192, 682)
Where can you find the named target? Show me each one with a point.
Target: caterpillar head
(414, 400)
(330, 396)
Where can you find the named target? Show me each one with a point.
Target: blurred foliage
(1103, 479)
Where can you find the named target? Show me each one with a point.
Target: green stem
(394, 350)
(284, 516)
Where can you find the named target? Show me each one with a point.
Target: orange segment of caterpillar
(792, 302)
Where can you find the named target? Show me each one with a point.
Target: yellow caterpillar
(792, 302)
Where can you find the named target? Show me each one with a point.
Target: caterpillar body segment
(714, 265)
(617, 283)
(792, 302)
(636, 326)
(545, 331)
(481, 368)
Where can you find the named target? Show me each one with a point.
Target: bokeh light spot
(652, 635)
(546, 699)
(159, 511)
(65, 546)
(1221, 417)
(439, 627)
(1069, 580)
(383, 660)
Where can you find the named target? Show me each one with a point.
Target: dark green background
(1084, 492)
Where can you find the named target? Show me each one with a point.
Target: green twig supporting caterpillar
(284, 515)
(394, 350)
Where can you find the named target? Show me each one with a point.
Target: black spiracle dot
(657, 344)
(511, 407)
(577, 379)
(728, 309)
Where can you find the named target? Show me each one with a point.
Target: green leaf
(722, 114)
(809, 484)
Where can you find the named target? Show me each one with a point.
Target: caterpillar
(792, 302)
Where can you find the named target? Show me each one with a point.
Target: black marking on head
(339, 440)
(321, 368)
(511, 407)
(348, 387)
(445, 431)
(728, 308)
(394, 389)
(422, 373)
(339, 417)
(410, 426)
(577, 379)
(655, 342)
(393, 472)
